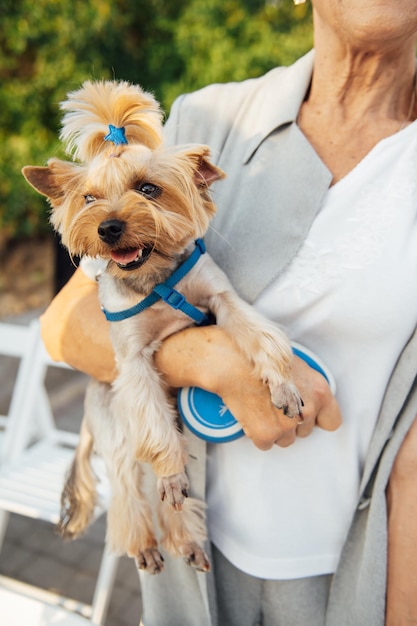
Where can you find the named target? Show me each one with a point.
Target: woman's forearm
(75, 330)
(197, 356)
(207, 357)
(402, 535)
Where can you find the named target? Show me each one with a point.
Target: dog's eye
(149, 190)
(89, 198)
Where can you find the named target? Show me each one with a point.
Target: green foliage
(237, 39)
(50, 47)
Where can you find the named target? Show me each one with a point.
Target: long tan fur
(90, 110)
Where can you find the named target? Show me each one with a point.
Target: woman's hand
(207, 357)
(320, 406)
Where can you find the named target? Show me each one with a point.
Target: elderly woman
(317, 227)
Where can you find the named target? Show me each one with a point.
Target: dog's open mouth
(131, 258)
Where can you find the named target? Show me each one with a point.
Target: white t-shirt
(350, 296)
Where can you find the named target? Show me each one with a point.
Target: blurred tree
(224, 40)
(50, 47)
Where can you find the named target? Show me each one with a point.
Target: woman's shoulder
(227, 96)
(207, 114)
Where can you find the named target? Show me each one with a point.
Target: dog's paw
(150, 561)
(287, 398)
(197, 558)
(174, 489)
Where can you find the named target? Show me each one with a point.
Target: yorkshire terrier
(144, 207)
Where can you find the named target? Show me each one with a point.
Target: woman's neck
(356, 99)
(364, 87)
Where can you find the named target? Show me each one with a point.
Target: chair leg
(105, 581)
(4, 520)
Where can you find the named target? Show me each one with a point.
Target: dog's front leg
(264, 344)
(140, 398)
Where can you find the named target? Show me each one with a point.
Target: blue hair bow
(116, 135)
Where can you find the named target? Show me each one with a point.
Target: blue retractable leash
(206, 415)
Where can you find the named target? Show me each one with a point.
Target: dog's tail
(103, 111)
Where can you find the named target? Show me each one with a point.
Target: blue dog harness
(165, 291)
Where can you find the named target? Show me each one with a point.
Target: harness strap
(165, 291)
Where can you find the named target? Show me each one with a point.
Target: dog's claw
(174, 489)
(197, 558)
(287, 398)
(150, 561)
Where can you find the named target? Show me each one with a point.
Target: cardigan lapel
(264, 212)
(275, 102)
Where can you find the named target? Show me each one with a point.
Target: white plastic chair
(36, 454)
(18, 605)
(18, 342)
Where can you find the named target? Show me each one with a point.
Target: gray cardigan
(274, 187)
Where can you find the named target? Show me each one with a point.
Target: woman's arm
(402, 535)
(75, 330)
(207, 357)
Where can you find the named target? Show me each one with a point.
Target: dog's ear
(207, 173)
(43, 180)
(54, 180)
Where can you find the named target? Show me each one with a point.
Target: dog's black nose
(110, 231)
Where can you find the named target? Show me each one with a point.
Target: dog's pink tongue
(125, 256)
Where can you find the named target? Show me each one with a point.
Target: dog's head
(125, 196)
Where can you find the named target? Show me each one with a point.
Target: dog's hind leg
(78, 497)
(184, 533)
(129, 519)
